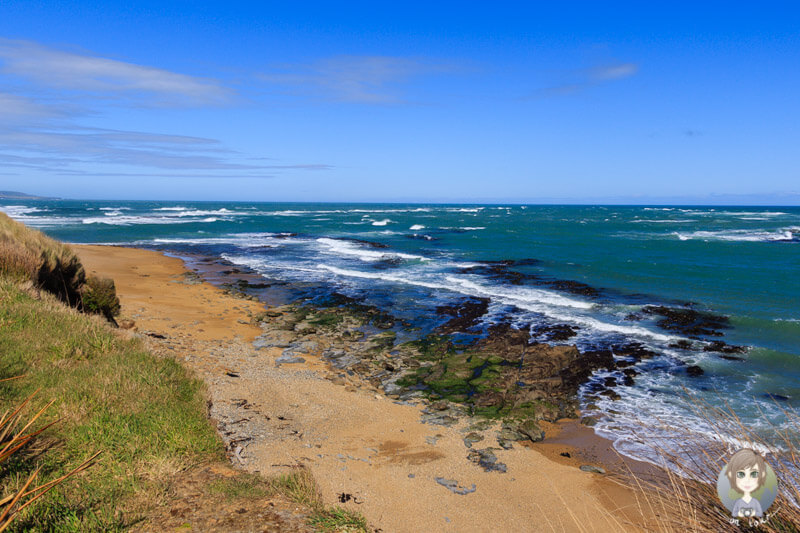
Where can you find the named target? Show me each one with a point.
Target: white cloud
(614, 72)
(357, 79)
(579, 80)
(81, 72)
(18, 108)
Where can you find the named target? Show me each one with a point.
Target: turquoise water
(740, 262)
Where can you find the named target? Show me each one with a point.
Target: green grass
(338, 519)
(146, 415)
(243, 486)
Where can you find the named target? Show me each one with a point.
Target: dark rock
(609, 393)
(634, 350)
(574, 287)
(554, 333)
(472, 438)
(371, 244)
(778, 397)
(565, 454)
(453, 486)
(531, 429)
(722, 347)
(487, 460)
(688, 321)
(465, 315)
(694, 371)
(682, 344)
(288, 359)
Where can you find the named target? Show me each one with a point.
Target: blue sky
(456, 102)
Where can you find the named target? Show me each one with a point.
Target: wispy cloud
(17, 108)
(580, 80)
(48, 95)
(355, 79)
(72, 151)
(60, 69)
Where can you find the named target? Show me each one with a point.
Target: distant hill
(14, 195)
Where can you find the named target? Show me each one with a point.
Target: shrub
(99, 296)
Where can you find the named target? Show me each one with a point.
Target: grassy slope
(145, 413)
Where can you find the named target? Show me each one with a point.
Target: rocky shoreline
(517, 375)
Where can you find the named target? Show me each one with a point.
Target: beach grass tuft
(339, 520)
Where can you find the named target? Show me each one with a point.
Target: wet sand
(367, 452)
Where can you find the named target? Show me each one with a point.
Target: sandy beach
(367, 452)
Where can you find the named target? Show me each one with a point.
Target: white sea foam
(663, 220)
(714, 212)
(18, 210)
(738, 235)
(417, 227)
(523, 297)
(340, 247)
(381, 222)
(30, 216)
(137, 220)
(244, 240)
(465, 209)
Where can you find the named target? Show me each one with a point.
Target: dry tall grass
(30, 255)
(683, 496)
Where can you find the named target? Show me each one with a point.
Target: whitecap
(739, 235)
(339, 247)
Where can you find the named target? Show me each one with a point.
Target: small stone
(453, 486)
(285, 359)
(472, 438)
(487, 460)
(593, 469)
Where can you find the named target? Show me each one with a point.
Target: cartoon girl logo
(747, 485)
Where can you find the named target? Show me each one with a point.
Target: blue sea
(596, 269)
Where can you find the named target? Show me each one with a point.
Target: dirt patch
(216, 498)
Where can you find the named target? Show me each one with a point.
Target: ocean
(711, 293)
